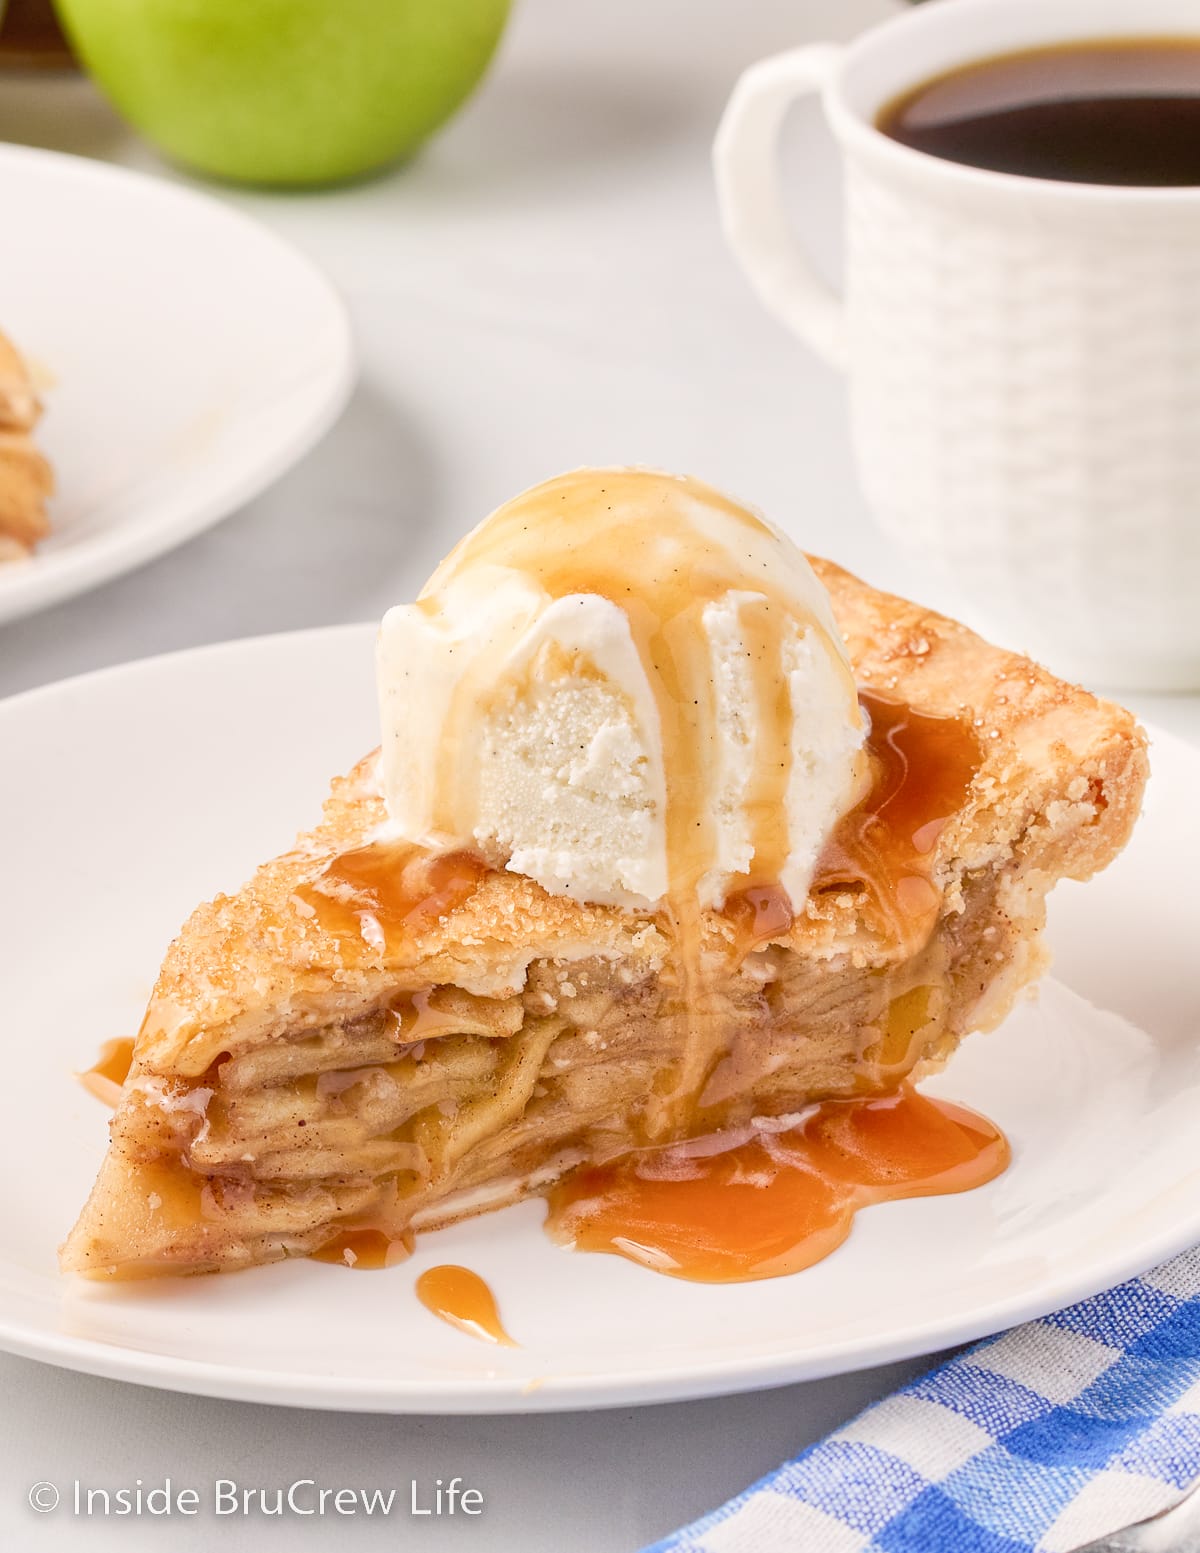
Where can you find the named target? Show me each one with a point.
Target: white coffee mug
(1023, 355)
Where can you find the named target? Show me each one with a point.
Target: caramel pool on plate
(758, 1204)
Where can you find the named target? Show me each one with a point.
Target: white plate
(191, 355)
(127, 796)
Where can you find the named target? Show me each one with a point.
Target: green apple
(285, 91)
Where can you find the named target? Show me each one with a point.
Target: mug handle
(752, 214)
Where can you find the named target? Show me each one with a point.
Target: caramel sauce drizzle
(761, 1204)
(760, 913)
(766, 799)
(383, 891)
(106, 1077)
(367, 1250)
(461, 1298)
(922, 770)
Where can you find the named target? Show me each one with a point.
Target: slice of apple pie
(379, 1034)
(26, 481)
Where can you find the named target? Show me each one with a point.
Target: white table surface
(545, 287)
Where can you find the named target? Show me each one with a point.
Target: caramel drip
(912, 1020)
(639, 540)
(366, 1250)
(419, 1019)
(758, 1204)
(766, 800)
(759, 914)
(106, 1077)
(460, 1297)
(381, 892)
(922, 770)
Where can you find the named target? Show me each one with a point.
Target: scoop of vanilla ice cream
(558, 771)
(601, 658)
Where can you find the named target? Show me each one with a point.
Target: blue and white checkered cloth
(1042, 1440)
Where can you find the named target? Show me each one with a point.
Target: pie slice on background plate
(26, 481)
(365, 1039)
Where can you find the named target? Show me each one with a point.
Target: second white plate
(191, 357)
(128, 796)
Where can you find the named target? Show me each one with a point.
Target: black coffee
(1118, 111)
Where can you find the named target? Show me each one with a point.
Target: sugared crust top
(1060, 782)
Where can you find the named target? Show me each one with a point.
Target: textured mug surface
(1023, 355)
